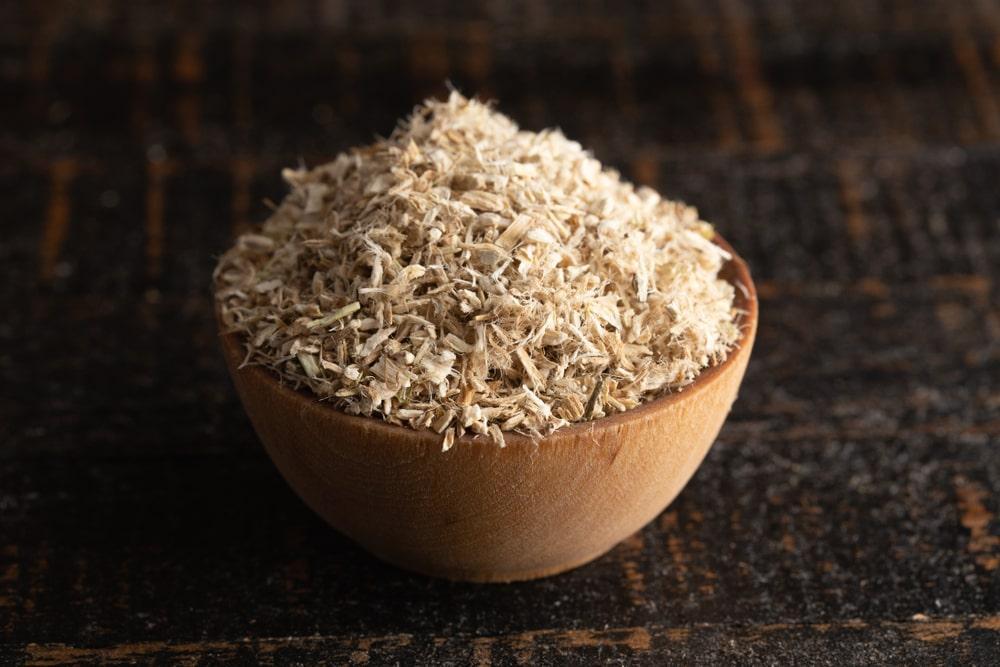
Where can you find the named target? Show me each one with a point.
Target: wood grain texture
(848, 512)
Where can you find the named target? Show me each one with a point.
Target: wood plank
(924, 640)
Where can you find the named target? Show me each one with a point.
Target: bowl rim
(746, 300)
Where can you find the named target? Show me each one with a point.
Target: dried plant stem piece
(588, 412)
(338, 314)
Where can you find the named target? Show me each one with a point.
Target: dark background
(849, 150)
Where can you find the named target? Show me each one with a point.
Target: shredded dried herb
(466, 276)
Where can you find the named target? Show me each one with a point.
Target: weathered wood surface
(848, 513)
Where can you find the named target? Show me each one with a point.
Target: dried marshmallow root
(466, 276)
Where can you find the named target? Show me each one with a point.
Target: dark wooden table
(851, 151)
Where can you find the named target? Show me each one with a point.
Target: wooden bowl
(481, 513)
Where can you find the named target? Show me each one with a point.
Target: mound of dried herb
(467, 276)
